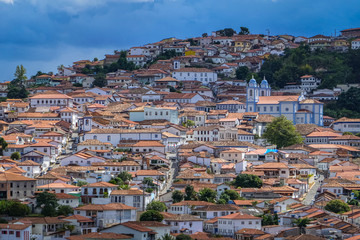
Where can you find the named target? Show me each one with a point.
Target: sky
(43, 34)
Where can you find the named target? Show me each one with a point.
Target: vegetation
(48, 204)
(81, 183)
(100, 80)
(207, 194)
(3, 145)
(64, 210)
(16, 88)
(151, 215)
(226, 32)
(337, 206)
(157, 206)
(302, 223)
(268, 219)
(166, 237)
(15, 156)
(177, 196)
(332, 67)
(346, 105)
(182, 236)
(228, 195)
(242, 72)
(282, 133)
(121, 179)
(13, 208)
(188, 123)
(247, 181)
(244, 31)
(190, 193)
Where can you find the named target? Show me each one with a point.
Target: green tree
(244, 31)
(177, 196)
(20, 74)
(348, 133)
(204, 35)
(233, 195)
(302, 223)
(282, 133)
(48, 202)
(242, 72)
(100, 80)
(182, 236)
(190, 193)
(15, 156)
(81, 183)
(189, 123)
(125, 176)
(3, 145)
(65, 210)
(166, 237)
(207, 194)
(337, 206)
(151, 215)
(157, 206)
(15, 209)
(226, 32)
(268, 219)
(353, 202)
(247, 181)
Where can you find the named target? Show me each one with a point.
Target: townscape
(185, 139)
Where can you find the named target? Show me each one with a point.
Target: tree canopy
(282, 133)
(337, 206)
(13, 208)
(15, 156)
(190, 193)
(226, 32)
(207, 194)
(48, 203)
(177, 196)
(151, 215)
(244, 31)
(247, 181)
(157, 206)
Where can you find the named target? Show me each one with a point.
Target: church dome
(264, 83)
(252, 82)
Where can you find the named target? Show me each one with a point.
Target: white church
(296, 108)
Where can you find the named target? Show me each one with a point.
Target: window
(109, 138)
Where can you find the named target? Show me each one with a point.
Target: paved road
(312, 192)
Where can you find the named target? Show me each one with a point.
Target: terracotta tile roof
(41, 220)
(65, 196)
(115, 164)
(14, 226)
(245, 202)
(180, 217)
(148, 144)
(323, 134)
(192, 203)
(101, 184)
(193, 70)
(79, 218)
(105, 207)
(7, 176)
(239, 215)
(101, 235)
(94, 142)
(250, 231)
(132, 191)
(57, 185)
(219, 207)
(119, 131)
(276, 99)
(149, 173)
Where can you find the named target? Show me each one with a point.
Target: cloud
(7, 1)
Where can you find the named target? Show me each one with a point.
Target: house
(96, 190)
(114, 135)
(131, 197)
(164, 113)
(67, 200)
(58, 187)
(231, 106)
(32, 168)
(346, 125)
(116, 168)
(183, 223)
(81, 158)
(14, 231)
(183, 97)
(16, 186)
(140, 230)
(107, 214)
(83, 225)
(218, 210)
(355, 44)
(228, 225)
(138, 60)
(187, 207)
(204, 75)
(50, 99)
(309, 83)
(280, 205)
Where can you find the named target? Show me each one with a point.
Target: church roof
(277, 99)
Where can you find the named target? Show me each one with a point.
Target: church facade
(295, 108)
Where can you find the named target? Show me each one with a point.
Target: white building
(203, 75)
(114, 136)
(51, 100)
(228, 225)
(132, 197)
(309, 83)
(355, 44)
(295, 108)
(164, 113)
(183, 97)
(13, 231)
(346, 125)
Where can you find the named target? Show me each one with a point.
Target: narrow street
(309, 198)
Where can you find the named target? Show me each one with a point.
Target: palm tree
(166, 237)
(302, 223)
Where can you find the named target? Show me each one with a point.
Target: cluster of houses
(174, 124)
